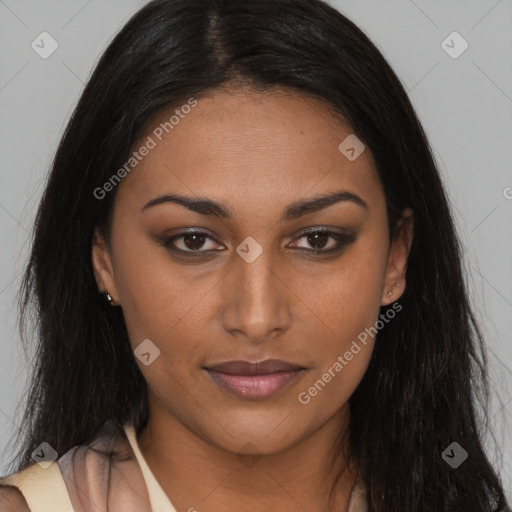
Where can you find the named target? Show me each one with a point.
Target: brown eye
(190, 242)
(194, 241)
(318, 240)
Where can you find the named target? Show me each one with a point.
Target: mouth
(254, 381)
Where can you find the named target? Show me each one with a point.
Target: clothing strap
(157, 497)
(43, 489)
(358, 501)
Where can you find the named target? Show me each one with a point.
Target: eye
(192, 243)
(318, 239)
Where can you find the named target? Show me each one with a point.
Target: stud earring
(108, 298)
(391, 291)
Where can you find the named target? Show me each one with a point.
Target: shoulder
(98, 474)
(11, 499)
(104, 474)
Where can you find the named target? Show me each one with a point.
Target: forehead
(247, 146)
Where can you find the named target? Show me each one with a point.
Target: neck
(197, 475)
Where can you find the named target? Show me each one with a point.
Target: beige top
(108, 474)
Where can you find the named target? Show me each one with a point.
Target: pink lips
(254, 381)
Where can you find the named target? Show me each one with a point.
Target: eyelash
(342, 239)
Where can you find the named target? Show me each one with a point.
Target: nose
(258, 299)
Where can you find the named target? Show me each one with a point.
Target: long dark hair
(426, 382)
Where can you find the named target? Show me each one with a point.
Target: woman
(248, 282)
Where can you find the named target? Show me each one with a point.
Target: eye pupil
(313, 239)
(197, 240)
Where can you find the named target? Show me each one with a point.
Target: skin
(256, 153)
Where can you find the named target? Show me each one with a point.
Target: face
(258, 275)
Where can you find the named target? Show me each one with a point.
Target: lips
(254, 381)
(260, 368)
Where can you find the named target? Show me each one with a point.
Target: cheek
(347, 295)
(343, 355)
(157, 298)
(349, 305)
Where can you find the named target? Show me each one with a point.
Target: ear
(394, 281)
(102, 266)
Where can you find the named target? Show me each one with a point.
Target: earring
(391, 291)
(107, 297)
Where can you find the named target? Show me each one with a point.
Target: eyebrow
(293, 211)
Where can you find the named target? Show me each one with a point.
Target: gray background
(465, 105)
